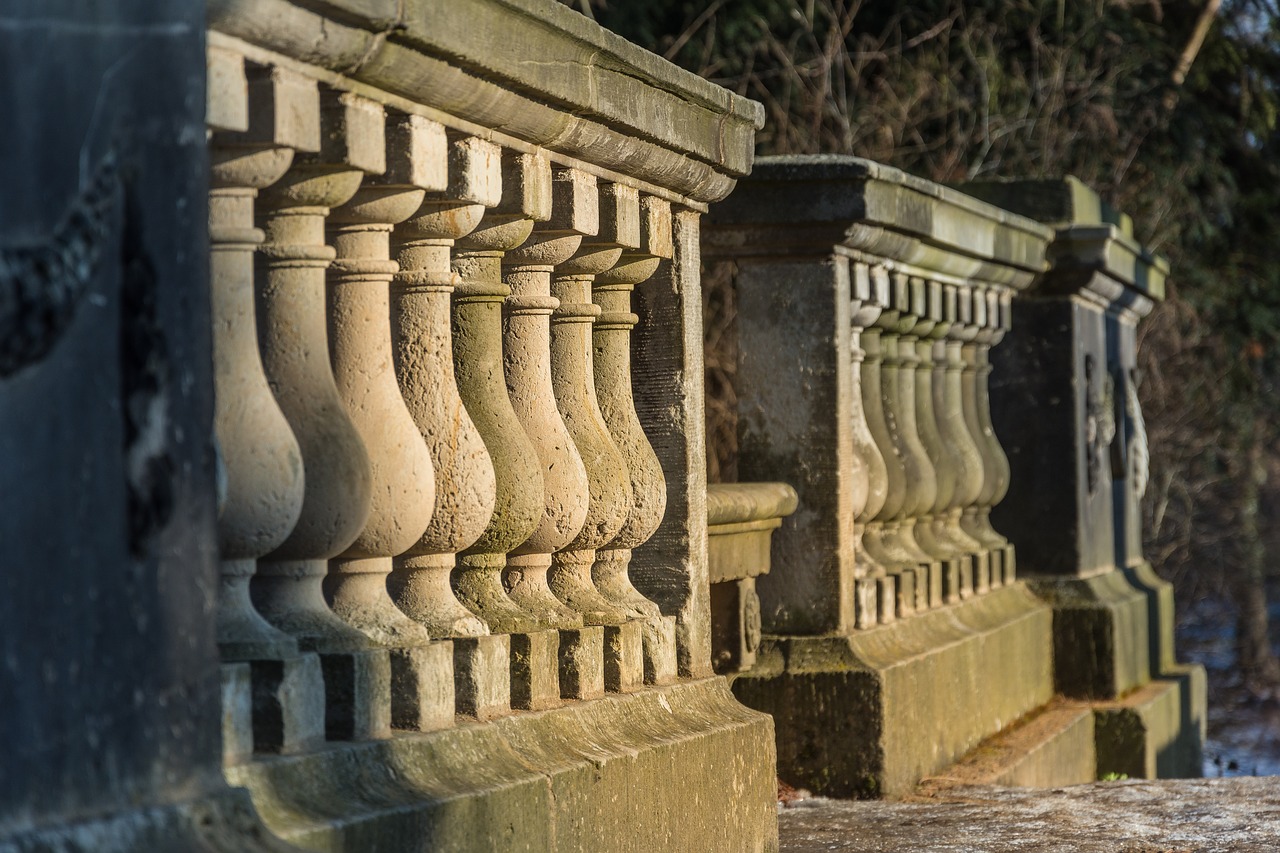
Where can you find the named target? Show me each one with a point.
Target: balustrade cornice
(822, 204)
(557, 80)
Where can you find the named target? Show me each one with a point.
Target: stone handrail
(450, 489)
(868, 301)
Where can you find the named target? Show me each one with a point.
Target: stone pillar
(612, 338)
(402, 477)
(293, 339)
(667, 382)
(261, 461)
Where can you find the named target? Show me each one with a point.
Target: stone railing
(868, 302)
(458, 364)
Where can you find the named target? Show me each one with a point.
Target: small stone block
(288, 704)
(237, 713)
(357, 692)
(535, 670)
(577, 202)
(1010, 565)
(620, 215)
(969, 570)
(284, 109)
(482, 675)
(417, 152)
(906, 593)
(984, 569)
(526, 186)
(475, 171)
(582, 663)
(866, 607)
(623, 657)
(655, 227)
(887, 596)
(353, 131)
(938, 574)
(660, 650)
(924, 584)
(951, 571)
(422, 687)
(228, 91)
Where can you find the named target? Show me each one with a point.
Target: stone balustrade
(458, 352)
(868, 303)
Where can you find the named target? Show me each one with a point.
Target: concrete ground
(1235, 815)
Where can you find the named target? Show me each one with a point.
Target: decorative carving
(1100, 420)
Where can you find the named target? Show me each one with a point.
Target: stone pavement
(1172, 816)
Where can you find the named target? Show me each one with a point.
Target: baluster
(422, 337)
(608, 481)
(878, 541)
(260, 457)
(466, 484)
(478, 362)
(927, 530)
(295, 351)
(612, 365)
(402, 476)
(527, 271)
(964, 453)
(877, 603)
(999, 311)
(976, 519)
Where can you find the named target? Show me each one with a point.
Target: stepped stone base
(1052, 747)
(871, 714)
(1147, 735)
(680, 767)
(220, 823)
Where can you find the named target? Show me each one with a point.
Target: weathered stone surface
(1051, 747)
(522, 64)
(1186, 816)
(872, 713)
(1147, 735)
(672, 768)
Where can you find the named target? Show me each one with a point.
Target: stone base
(422, 688)
(217, 823)
(623, 657)
(1100, 639)
(357, 694)
(873, 713)
(660, 650)
(1160, 616)
(237, 712)
(1147, 735)
(288, 704)
(482, 676)
(682, 767)
(582, 663)
(1052, 747)
(535, 666)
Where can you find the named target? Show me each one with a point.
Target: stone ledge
(872, 713)
(681, 767)
(1153, 732)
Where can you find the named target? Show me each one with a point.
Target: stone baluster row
(436, 472)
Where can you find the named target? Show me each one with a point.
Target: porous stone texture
(1183, 816)
(872, 713)
(619, 774)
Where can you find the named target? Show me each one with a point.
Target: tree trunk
(1257, 658)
